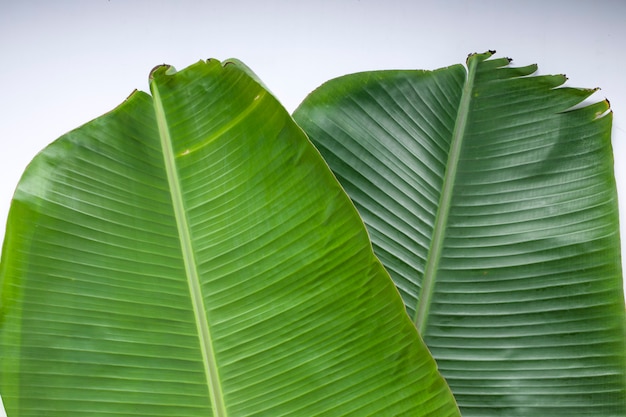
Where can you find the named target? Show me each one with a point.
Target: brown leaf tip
(162, 67)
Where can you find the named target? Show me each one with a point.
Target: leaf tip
(591, 91)
(481, 57)
(131, 94)
(604, 109)
(161, 69)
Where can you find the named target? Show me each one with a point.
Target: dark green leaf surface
(190, 254)
(492, 204)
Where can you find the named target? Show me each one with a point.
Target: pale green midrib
(441, 218)
(204, 332)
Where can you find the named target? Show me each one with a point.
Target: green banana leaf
(490, 198)
(191, 254)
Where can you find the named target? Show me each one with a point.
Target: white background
(63, 63)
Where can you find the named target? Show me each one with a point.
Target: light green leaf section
(191, 254)
(492, 203)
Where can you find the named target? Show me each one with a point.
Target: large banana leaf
(190, 254)
(492, 204)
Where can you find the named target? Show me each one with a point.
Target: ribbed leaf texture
(190, 254)
(490, 198)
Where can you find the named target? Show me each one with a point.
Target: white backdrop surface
(63, 63)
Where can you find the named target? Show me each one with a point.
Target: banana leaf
(191, 254)
(490, 198)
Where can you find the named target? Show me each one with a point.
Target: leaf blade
(97, 315)
(533, 208)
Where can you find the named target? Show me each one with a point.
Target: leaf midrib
(191, 271)
(441, 218)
